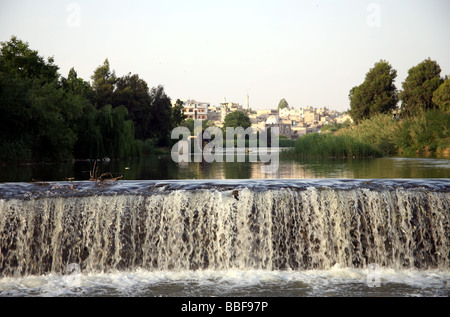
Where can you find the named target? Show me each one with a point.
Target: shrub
(379, 131)
(428, 131)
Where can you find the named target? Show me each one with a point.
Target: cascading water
(219, 226)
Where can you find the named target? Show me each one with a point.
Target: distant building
(228, 107)
(344, 118)
(311, 116)
(273, 121)
(268, 112)
(288, 113)
(215, 115)
(301, 131)
(285, 126)
(292, 122)
(195, 110)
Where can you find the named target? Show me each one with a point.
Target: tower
(247, 102)
(223, 112)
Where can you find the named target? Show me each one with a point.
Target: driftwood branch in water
(104, 177)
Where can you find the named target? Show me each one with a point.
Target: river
(162, 167)
(315, 228)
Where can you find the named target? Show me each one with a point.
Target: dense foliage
(283, 104)
(237, 119)
(47, 117)
(329, 145)
(377, 94)
(419, 86)
(426, 133)
(419, 126)
(441, 97)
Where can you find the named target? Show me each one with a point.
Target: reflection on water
(162, 167)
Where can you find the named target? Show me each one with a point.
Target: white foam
(334, 282)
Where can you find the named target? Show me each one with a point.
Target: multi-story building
(196, 110)
(215, 115)
(288, 113)
(267, 112)
(311, 116)
(228, 107)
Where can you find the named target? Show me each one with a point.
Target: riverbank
(426, 134)
(317, 145)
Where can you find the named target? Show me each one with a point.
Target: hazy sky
(308, 52)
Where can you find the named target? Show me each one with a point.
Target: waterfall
(271, 226)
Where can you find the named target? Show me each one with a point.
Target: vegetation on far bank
(45, 117)
(427, 133)
(421, 125)
(329, 145)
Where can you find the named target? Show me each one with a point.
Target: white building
(196, 110)
(344, 118)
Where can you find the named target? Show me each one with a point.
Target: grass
(427, 132)
(379, 131)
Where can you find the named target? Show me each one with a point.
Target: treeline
(424, 89)
(414, 120)
(388, 121)
(47, 117)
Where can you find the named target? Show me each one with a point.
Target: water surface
(162, 167)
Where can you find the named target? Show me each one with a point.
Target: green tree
(161, 108)
(52, 114)
(237, 119)
(178, 116)
(89, 142)
(377, 94)
(21, 68)
(133, 93)
(283, 104)
(17, 59)
(419, 86)
(75, 85)
(190, 124)
(15, 112)
(334, 127)
(117, 133)
(103, 84)
(79, 93)
(33, 124)
(441, 96)
(46, 117)
(149, 109)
